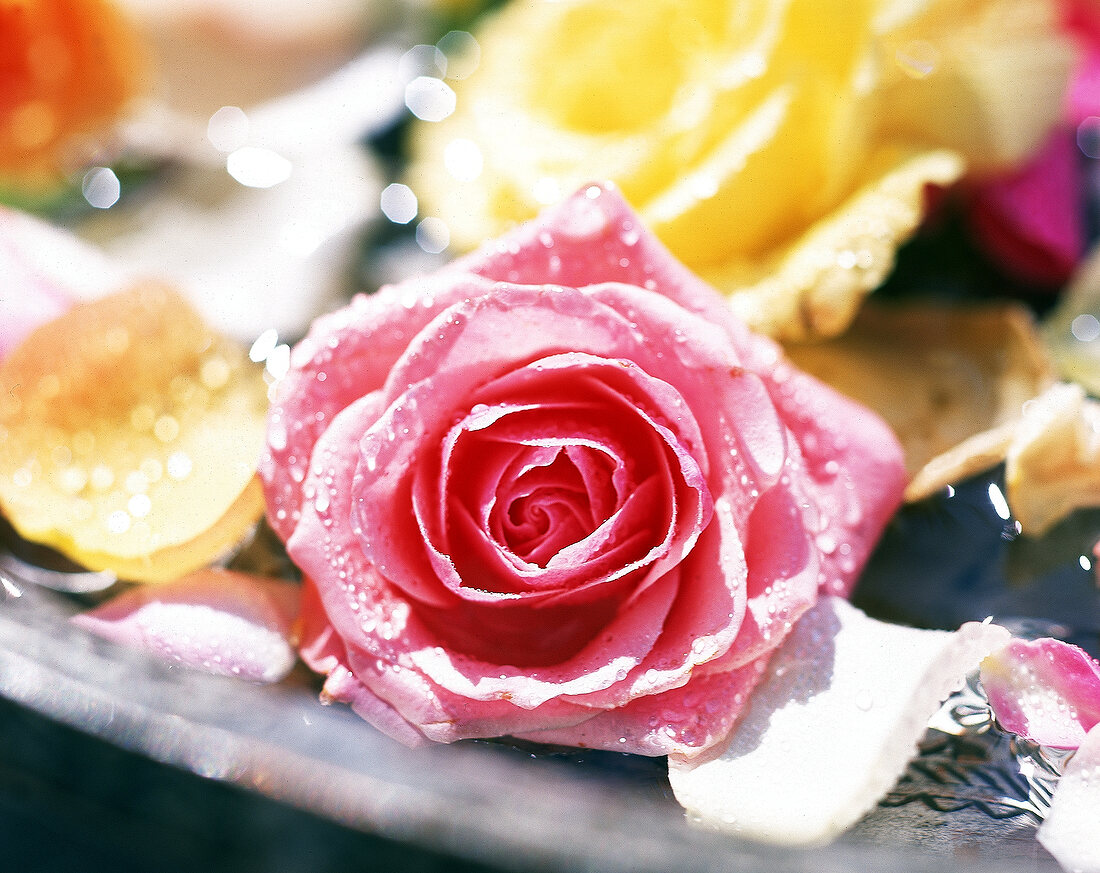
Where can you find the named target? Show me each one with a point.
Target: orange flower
(67, 68)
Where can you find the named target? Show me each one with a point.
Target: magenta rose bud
(557, 491)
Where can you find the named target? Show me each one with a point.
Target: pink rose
(583, 512)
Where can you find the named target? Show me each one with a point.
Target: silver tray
(963, 805)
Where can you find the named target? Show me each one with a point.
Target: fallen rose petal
(1069, 830)
(231, 624)
(130, 436)
(938, 374)
(1044, 690)
(842, 705)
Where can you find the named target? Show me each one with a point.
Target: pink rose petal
(594, 237)
(1044, 690)
(684, 723)
(222, 622)
(348, 353)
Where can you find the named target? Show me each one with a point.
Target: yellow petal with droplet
(129, 436)
(813, 287)
(985, 78)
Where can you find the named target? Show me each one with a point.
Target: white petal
(1071, 830)
(832, 726)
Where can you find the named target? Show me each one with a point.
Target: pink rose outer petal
(1044, 690)
(679, 695)
(1071, 829)
(843, 704)
(227, 623)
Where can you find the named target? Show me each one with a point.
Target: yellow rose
(781, 149)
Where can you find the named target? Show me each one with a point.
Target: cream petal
(842, 705)
(1069, 829)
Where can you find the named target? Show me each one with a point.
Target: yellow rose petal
(814, 287)
(129, 436)
(781, 149)
(1053, 464)
(986, 78)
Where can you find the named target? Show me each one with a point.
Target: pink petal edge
(218, 621)
(1044, 690)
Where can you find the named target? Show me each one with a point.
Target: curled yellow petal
(966, 390)
(1052, 466)
(129, 436)
(67, 69)
(1051, 453)
(814, 287)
